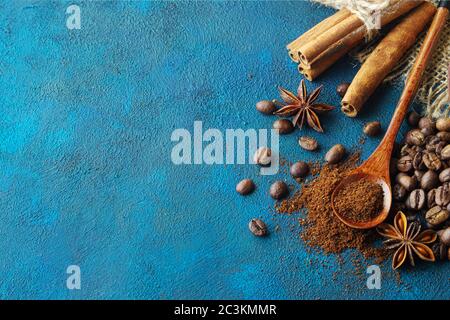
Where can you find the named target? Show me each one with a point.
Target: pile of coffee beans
(421, 181)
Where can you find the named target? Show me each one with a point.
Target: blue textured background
(85, 170)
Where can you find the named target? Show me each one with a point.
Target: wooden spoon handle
(415, 76)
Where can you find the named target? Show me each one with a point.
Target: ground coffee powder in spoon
(359, 201)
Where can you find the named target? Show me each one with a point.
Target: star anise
(302, 107)
(407, 239)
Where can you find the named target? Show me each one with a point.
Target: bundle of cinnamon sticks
(320, 47)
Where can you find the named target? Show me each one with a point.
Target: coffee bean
(266, 107)
(431, 198)
(284, 126)
(419, 174)
(445, 153)
(308, 143)
(441, 145)
(299, 169)
(416, 199)
(444, 176)
(257, 227)
(399, 192)
(428, 131)
(263, 156)
(436, 215)
(431, 142)
(372, 128)
(444, 236)
(245, 187)
(445, 252)
(342, 89)
(439, 250)
(406, 150)
(418, 161)
(444, 136)
(429, 180)
(413, 118)
(413, 218)
(407, 182)
(415, 137)
(399, 176)
(426, 122)
(431, 161)
(443, 195)
(279, 190)
(443, 124)
(404, 164)
(335, 154)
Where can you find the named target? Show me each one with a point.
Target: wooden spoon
(376, 168)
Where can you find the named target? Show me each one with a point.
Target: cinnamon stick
(385, 57)
(318, 29)
(339, 39)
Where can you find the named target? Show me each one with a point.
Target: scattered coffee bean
(442, 197)
(279, 190)
(416, 199)
(284, 126)
(445, 252)
(399, 192)
(445, 153)
(431, 161)
(419, 174)
(266, 107)
(431, 198)
(444, 236)
(372, 128)
(426, 122)
(413, 119)
(263, 156)
(431, 142)
(342, 89)
(418, 161)
(308, 143)
(428, 131)
(335, 154)
(443, 124)
(415, 137)
(444, 176)
(429, 180)
(444, 136)
(439, 251)
(413, 218)
(404, 164)
(299, 169)
(245, 187)
(257, 227)
(407, 182)
(436, 215)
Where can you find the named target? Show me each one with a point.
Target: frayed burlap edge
(433, 93)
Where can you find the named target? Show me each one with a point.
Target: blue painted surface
(85, 170)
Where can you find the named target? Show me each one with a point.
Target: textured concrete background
(85, 170)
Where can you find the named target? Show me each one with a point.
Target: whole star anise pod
(302, 107)
(407, 239)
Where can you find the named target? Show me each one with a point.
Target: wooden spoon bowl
(356, 175)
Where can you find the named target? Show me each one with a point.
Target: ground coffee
(359, 201)
(321, 229)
